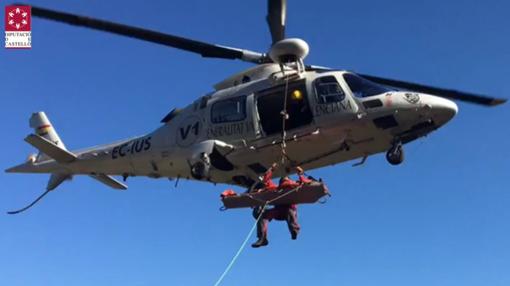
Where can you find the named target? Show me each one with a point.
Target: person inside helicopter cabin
(286, 213)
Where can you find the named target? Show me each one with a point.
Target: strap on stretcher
(306, 194)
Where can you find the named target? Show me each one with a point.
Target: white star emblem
(13, 18)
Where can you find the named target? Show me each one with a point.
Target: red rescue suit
(304, 180)
(269, 185)
(282, 213)
(286, 213)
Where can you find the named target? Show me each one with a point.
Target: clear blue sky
(441, 218)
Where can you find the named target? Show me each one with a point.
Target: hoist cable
(285, 116)
(283, 146)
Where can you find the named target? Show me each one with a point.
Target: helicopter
(308, 115)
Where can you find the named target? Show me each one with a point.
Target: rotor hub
(289, 50)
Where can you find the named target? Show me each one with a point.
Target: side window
(328, 90)
(229, 110)
(362, 87)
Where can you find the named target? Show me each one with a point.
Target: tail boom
(56, 160)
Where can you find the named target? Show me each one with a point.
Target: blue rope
(240, 249)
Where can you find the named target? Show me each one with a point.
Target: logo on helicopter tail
(18, 22)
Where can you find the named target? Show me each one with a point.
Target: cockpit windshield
(361, 87)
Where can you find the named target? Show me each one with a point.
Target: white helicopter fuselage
(235, 133)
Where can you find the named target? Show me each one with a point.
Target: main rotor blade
(447, 93)
(205, 49)
(276, 14)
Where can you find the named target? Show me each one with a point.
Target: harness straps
(278, 197)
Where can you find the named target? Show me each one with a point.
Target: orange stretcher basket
(305, 194)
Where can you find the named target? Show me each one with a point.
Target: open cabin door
(270, 103)
(253, 116)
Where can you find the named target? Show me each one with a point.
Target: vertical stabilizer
(42, 127)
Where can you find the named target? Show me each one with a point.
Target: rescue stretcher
(305, 194)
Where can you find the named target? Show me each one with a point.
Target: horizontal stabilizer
(51, 149)
(109, 181)
(56, 179)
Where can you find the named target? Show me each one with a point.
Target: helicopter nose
(443, 110)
